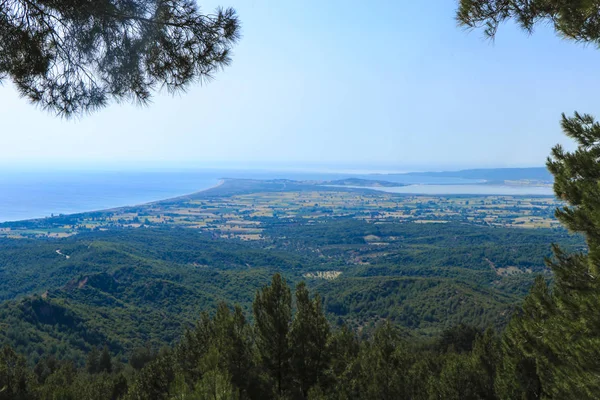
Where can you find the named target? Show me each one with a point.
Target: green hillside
(130, 288)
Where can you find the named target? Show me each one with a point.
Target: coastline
(118, 208)
(183, 196)
(410, 189)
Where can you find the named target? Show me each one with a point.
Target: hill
(362, 183)
(135, 287)
(540, 174)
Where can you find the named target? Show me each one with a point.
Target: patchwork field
(242, 208)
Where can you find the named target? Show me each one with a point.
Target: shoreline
(219, 183)
(405, 189)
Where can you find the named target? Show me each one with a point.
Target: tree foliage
(552, 345)
(577, 20)
(225, 357)
(74, 56)
(554, 341)
(273, 315)
(309, 335)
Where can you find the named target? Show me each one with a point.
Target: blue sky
(390, 84)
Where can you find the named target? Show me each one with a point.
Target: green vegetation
(100, 315)
(284, 354)
(404, 310)
(131, 288)
(243, 209)
(553, 343)
(401, 312)
(109, 314)
(75, 59)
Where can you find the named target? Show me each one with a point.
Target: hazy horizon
(337, 168)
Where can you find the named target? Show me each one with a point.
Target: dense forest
(417, 311)
(288, 351)
(125, 289)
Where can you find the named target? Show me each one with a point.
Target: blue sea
(37, 194)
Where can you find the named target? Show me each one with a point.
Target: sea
(37, 194)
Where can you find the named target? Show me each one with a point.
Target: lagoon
(481, 189)
(38, 194)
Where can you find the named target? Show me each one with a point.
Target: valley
(139, 276)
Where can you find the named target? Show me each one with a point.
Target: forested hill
(288, 351)
(493, 174)
(136, 287)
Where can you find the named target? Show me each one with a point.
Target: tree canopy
(75, 56)
(552, 345)
(573, 19)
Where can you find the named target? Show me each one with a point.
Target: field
(243, 208)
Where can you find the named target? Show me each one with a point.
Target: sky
(344, 84)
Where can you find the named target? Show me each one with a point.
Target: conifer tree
(216, 382)
(74, 56)
(308, 340)
(461, 378)
(92, 364)
(272, 315)
(154, 380)
(344, 349)
(234, 343)
(194, 345)
(105, 362)
(384, 365)
(556, 334)
(552, 346)
(577, 20)
(15, 379)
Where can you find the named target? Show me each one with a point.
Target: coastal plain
(242, 208)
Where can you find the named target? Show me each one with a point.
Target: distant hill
(363, 183)
(493, 174)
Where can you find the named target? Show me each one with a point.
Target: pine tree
(572, 19)
(308, 340)
(16, 381)
(154, 380)
(344, 349)
(234, 343)
(552, 346)
(384, 365)
(74, 57)
(522, 340)
(194, 346)
(486, 356)
(141, 356)
(59, 384)
(461, 378)
(272, 315)
(216, 381)
(105, 361)
(241, 357)
(92, 364)
(558, 329)
(180, 390)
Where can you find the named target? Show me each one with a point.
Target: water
(35, 195)
(506, 190)
(27, 195)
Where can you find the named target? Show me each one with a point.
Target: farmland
(243, 208)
